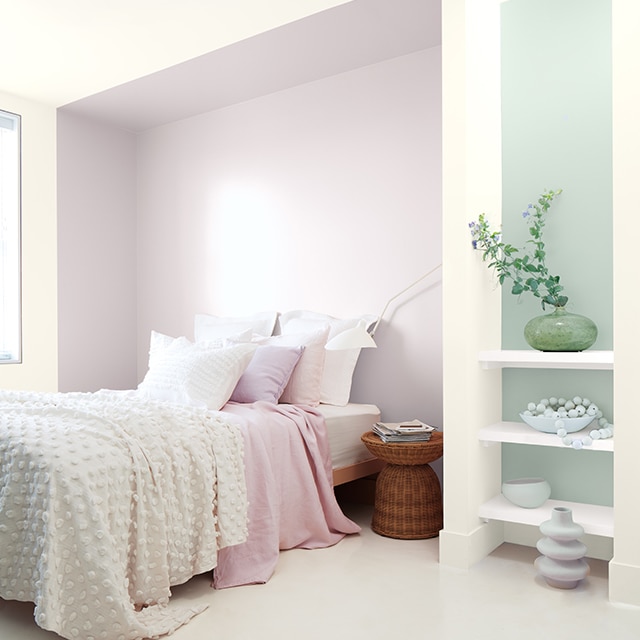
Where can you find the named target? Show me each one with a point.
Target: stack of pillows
(266, 357)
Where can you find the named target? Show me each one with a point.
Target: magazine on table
(412, 431)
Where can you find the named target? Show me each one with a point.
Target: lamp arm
(386, 306)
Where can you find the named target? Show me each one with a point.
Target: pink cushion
(339, 366)
(267, 374)
(304, 385)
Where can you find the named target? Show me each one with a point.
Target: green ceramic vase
(560, 331)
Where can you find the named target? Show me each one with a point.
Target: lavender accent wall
(96, 256)
(327, 197)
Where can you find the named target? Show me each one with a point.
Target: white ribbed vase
(562, 564)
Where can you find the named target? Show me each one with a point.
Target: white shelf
(530, 359)
(520, 433)
(595, 519)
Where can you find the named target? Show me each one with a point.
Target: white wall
(326, 197)
(96, 256)
(38, 369)
(472, 302)
(624, 569)
(104, 323)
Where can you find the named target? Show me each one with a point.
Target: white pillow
(339, 365)
(194, 374)
(214, 328)
(304, 384)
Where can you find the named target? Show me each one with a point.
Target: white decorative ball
(577, 400)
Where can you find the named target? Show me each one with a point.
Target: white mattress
(345, 425)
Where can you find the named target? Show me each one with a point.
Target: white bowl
(526, 492)
(548, 425)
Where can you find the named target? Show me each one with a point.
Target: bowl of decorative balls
(562, 416)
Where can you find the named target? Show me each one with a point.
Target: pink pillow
(304, 385)
(339, 366)
(267, 374)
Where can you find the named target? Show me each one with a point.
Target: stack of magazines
(413, 431)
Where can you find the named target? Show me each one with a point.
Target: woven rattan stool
(408, 502)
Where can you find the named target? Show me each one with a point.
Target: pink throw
(290, 490)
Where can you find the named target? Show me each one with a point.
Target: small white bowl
(548, 425)
(526, 492)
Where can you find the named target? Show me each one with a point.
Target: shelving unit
(595, 519)
(472, 315)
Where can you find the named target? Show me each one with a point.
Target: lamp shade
(355, 338)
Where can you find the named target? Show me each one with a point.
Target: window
(9, 237)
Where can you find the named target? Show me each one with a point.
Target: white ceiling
(128, 63)
(56, 51)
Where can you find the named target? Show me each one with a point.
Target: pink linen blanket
(289, 487)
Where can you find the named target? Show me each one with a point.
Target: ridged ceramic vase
(560, 331)
(562, 562)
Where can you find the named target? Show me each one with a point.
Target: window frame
(11, 262)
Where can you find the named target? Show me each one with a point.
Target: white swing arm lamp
(359, 337)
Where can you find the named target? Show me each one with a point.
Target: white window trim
(10, 238)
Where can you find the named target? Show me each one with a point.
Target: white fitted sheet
(345, 425)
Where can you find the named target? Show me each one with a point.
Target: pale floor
(372, 588)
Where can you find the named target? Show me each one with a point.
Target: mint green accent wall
(556, 114)
(557, 120)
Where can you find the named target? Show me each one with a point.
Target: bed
(109, 499)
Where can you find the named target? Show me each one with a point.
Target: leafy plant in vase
(527, 270)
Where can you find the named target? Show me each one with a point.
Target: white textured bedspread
(106, 501)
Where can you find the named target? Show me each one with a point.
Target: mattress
(345, 425)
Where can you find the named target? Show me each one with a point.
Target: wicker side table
(408, 502)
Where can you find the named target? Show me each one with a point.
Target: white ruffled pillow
(201, 375)
(335, 387)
